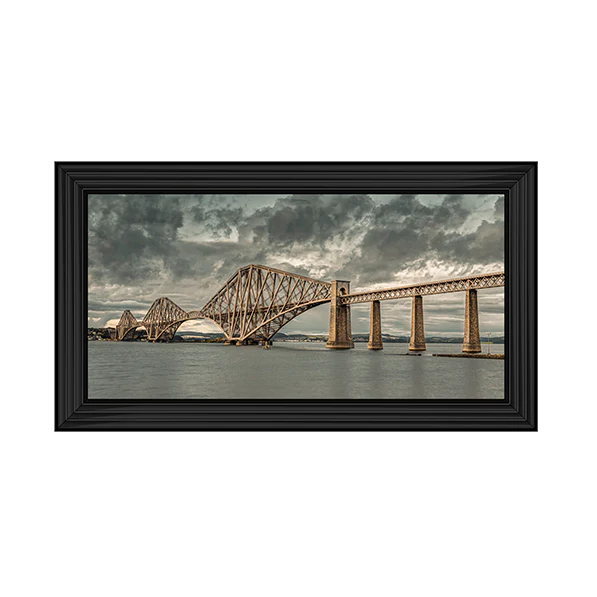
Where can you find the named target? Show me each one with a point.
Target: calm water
(288, 370)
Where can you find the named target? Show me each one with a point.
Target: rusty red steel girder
(257, 301)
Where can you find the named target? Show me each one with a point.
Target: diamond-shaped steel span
(126, 325)
(163, 318)
(257, 301)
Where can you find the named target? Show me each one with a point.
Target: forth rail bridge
(257, 301)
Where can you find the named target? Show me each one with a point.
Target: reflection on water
(289, 370)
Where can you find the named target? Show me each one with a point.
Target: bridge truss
(126, 326)
(257, 301)
(478, 282)
(161, 321)
(253, 304)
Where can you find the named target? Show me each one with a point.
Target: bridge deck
(492, 280)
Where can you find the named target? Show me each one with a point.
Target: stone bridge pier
(340, 328)
(375, 342)
(417, 327)
(472, 340)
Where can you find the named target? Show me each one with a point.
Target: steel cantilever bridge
(257, 301)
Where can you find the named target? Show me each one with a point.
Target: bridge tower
(126, 327)
(340, 329)
(375, 342)
(417, 327)
(472, 341)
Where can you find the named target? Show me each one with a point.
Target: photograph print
(286, 296)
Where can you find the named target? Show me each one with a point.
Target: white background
(299, 514)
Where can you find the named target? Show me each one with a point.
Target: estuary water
(289, 370)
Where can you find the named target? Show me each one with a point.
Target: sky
(185, 247)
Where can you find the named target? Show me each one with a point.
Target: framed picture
(372, 296)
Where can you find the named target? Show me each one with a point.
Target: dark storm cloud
(484, 245)
(308, 219)
(97, 306)
(220, 221)
(133, 237)
(408, 211)
(138, 237)
(406, 234)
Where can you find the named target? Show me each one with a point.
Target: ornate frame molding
(75, 180)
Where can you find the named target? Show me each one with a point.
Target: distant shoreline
(108, 335)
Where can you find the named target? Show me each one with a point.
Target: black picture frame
(74, 181)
